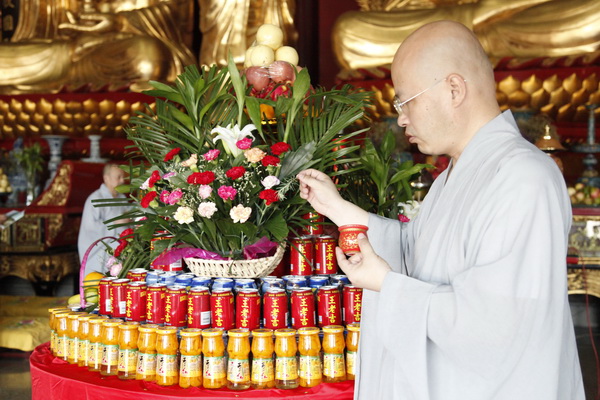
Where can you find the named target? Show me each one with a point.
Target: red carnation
(120, 248)
(126, 232)
(236, 172)
(269, 195)
(172, 154)
(148, 198)
(155, 177)
(280, 148)
(270, 160)
(201, 178)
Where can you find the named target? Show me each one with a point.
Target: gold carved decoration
(39, 268)
(584, 281)
(59, 190)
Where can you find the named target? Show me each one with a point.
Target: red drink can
(329, 306)
(316, 228)
(137, 275)
(352, 297)
(135, 306)
(325, 261)
(118, 298)
(247, 309)
(275, 308)
(302, 254)
(198, 315)
(104, 304)
(176, 306)
(303, 308)
(155, 303)
(221, 309)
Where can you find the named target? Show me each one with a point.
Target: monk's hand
(319, 190)
(365, 269)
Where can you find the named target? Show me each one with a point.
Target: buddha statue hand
(93, 22)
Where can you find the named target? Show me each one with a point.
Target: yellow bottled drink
(84, 343)
(146, 362)
(73, 336)
(96, 347)
(309, 346)
(54, 325)
(62, 331)
(214, 375)
(263, 371)
(110, 346)
(286, 361)
(334, 367)
(190, 364)
(351, 348)
(238, 366)
(52, 322)
(128, 336)
(167, 369)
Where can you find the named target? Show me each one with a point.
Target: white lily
(231, 136)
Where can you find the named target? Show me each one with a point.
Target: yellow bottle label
(190, 366)
(310, 367)
(215, 368)
(53, 340)
(351, 362)
(166, 365)
(61, 346)
(127, 361)
(262, 370)
(146, 364)
(84, 347)
(333, 365)
(110, 354)
(95, 353)
(72, 348)
(286, 368)
(238, 370)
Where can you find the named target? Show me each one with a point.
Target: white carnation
(184, 215)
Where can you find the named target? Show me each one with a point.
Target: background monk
(469, 299)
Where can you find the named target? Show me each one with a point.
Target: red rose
(236, 172)
(126, 232)
(172, 154)
(120, 248)
(148, 198)
(269, 195)
(201, 178)
(270, 160)
(155, 177)
(280, 148)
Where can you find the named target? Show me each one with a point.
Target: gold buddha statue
(517, 28)
(53, 43)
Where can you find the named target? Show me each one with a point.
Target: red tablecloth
(54, 379)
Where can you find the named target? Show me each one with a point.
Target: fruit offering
(4, 183)
(582, 194)
(270, 65)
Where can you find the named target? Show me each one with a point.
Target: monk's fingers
(365, 246)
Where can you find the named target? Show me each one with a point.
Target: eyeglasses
(399, 104)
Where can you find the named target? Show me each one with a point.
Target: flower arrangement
(216, 177)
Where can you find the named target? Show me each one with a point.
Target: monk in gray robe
(468, 300)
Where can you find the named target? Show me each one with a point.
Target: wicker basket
(236, 268)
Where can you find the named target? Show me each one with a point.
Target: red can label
(118, 297)
(221, 309)
(329, 306)
(301, 256)
(176, 306)
(198, 315)
(275, 308)
(155, 303)
(137, 275)
(247, 309)
(104, 304)
(303, 308)
(135, 307)
(317, 224)
(352, 296)
(325, 261)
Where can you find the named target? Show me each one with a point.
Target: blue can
(201, 281)
(271, 282)
(153, 276)
(244, 283)
(316, 281)
(168, 278)
(297, 282)
(184, 280)
(339, 280)
(222, 283)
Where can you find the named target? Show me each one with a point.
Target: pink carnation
(227, 192)
(175, 196)
(204, 191)
(211, 155)
(164, 196)
(244, 144)
(403, 218)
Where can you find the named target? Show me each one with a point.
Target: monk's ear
(458, 88)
